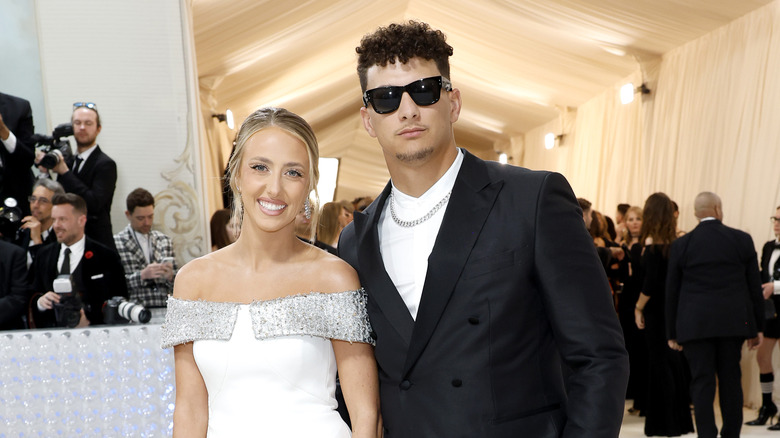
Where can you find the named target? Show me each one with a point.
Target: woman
(223, 230)
(259, 327)
(635, 341)
(330, 223)
(770, 279)
(667, 411)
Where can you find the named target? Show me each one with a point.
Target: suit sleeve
(101, 193)
(578, 302)
(13, 301)
(24, 154)
(673, 280)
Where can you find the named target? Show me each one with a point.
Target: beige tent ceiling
(518, 63)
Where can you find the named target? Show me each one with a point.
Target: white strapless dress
(269, 366)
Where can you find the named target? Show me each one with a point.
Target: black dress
(634, 338)
(667, 411)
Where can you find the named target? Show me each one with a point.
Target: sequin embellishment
(340, 315)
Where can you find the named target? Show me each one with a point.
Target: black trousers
(708, 358)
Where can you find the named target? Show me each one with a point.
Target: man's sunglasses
(423, 92)
(89, 105)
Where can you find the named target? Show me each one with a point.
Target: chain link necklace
(408, 224)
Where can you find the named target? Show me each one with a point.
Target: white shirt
(84, 155)
(405, 250)
(76, 252)
(143, 241)
(10, 144)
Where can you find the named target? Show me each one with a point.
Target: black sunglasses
(423, 92)
(89, 105)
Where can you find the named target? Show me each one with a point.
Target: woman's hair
(598, 226)
(289, 122)
(219, 233)
(329, 227)
(658, 220)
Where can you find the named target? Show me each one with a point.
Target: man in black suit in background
(91, 174)
(14, 289)
(713, 303)
(482, 280)
(16, 150)
(96, 270)
(36, 230)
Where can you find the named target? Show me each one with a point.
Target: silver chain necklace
(408, 224)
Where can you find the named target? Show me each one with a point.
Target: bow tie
(776, 244)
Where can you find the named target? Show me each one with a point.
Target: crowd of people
(467, 299)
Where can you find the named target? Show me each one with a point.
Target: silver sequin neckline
(409, 224)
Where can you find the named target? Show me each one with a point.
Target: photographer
(14, 289)
(147, 255)
(36, 229)
(94, 271)
(91, 174)
(16, 150)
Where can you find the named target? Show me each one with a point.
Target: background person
(14, 287)
(223, 229)
(36, 229)
(16, 150)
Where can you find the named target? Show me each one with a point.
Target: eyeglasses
(42, 200)
(423, 92)
(90, 105)
(774, 219)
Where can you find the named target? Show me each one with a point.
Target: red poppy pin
(88, 255)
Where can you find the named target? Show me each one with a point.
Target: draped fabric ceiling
(518, 63)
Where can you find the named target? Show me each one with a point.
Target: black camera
(117, 310)
(67, 312)
(54, 146)
(10, 219)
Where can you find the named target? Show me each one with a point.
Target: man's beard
(414, 156)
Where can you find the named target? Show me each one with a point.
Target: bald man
(714, 302)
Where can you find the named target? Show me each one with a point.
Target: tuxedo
(14, 288)
(98, 277)
(713, 303)
(514, 291)
(767, 271)
(95, 182)
(16, 177)
(24, 238)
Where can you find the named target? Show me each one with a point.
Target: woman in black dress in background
(667, 410)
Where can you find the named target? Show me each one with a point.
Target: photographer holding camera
(91, 174)
(16, 150)
(147, 255)
(78, 273)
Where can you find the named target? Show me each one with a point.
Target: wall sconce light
(502, 157)
(627, 92)
(551, 140)
(227, 117)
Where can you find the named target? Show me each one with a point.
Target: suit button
(457, 383)
(473, 320)
(405, 385)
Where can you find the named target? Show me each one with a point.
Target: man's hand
(32, 224)
(83, 321)
(4, 131)
(674, 345)
(61, 166)
(48, 300)
(768, 289)
(154, 271)
(756, 342)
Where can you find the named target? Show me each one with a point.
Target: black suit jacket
(98, 277)
(513, 286)
(767, 271)
(95, 183)
(713, 288)
(14, 288)
(16, 177)
(23, 241)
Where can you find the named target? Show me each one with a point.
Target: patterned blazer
(150, 293)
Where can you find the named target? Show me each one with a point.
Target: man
(14, 289)
(16, 150)
(36, 229)
(713, 303)
(481, 277)
(147, 255)
(95, 270)
(91, 174)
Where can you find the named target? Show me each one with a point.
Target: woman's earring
(307, 208)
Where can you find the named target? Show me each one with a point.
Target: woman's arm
(639, 310)
(191, 415)
(360, 384)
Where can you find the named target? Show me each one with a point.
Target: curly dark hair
(403, 41)
(658, 220)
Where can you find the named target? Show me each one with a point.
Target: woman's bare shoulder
(333, 274)
(197, 278)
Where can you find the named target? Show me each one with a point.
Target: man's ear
(367, 121)
(82, 220)
(127, 215)
(455, 105)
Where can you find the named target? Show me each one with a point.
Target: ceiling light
(502, 158)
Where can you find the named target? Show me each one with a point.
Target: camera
(10, 219)
(67, 312)
(118, 310)
(54, 146)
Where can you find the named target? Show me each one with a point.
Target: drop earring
(307, 208)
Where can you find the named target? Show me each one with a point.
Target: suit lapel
(376, 280)
(133, 246)
(472, 199)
